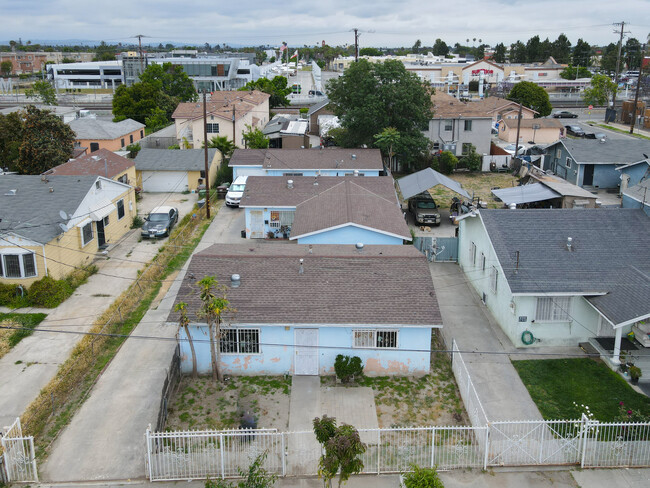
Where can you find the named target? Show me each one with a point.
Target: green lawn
(10, 337)
(554, 384)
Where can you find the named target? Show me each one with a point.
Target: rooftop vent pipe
(289, 183)
(569, 243)
(512, 206)
(359, 246)
(301, 270)
(235, 281)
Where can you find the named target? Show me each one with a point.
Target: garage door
(164, 181)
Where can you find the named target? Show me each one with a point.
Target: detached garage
(174, 170)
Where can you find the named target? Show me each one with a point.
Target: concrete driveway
(183, 202)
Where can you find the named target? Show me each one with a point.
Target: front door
(306, 362)
(257, 224)
(588, 178)
(101, 236)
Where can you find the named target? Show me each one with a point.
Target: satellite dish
(64, 227)
(63, 215)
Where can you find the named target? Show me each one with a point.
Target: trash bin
(221, 192)
(201, 203)
(201, 193)
(243, 234)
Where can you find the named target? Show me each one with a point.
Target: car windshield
(236, 188)
(511, 147)
(158, 217)
(427, 205)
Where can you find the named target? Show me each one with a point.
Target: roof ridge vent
(569, 244)
(289, 184)
(11, 192)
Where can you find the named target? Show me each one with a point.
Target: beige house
(100, 163)
(228, 114)
(531, 131)
(52, 225)
(500, 108)
(99, 133)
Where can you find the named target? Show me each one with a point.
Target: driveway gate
(19, 458)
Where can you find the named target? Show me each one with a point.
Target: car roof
(161, 209)
(240, 180)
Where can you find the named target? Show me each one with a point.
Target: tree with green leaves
(388, 140)
(104, 52)
(42, 91)
(499, 55)
(276, 87)
(225, 145)
(472, 160)
(440, 48)
(417, 46)
(608, 58)
(633, 53)
(531, 95)
(446, 162)
(6, 67)
(342, 450)
(518, 52)
(533, 50)
(213, 305)
(545, 49)
(572, 72)
(46, 141)
(157, 120)
(184, 323)
(255, 138)
(561, 50)
(11, 138)
(370, 97)
(599, 91)
(171, 80)
(582, 54)
(369, 51)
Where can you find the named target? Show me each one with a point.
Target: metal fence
(468, 393)
(19, 458)
(169, 387)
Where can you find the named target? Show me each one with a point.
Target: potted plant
(635, 374)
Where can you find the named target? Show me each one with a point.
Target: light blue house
(324, 210)
(306, 162)
(637, 196)
(298, 307)
(558, 277)
(595, 164)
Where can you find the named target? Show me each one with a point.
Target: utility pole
(234, 140)
(636, 94)
(205, 152)
(518, 127)
(356, 44)
(618, 59)
(140, 36)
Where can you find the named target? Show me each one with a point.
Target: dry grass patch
(480, 184)
(22, 325)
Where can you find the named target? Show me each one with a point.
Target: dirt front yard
(480, 184)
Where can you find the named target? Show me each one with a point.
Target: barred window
(472, 252)
(18, 265)
(240, 341)
(212, 128)
(372, 338)
(29, 265)
(12, 266)
(494, 279)
(553, 309)
(86, 233)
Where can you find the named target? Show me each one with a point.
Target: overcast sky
(382, 22)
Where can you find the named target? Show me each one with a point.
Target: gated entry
(19, 458)
(439, 249)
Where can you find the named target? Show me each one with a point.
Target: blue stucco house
(296, 307)
(637, 196)
(558, 277)
(306, 162)
(324, 210)
(595, 164)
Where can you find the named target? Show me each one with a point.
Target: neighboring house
(634, 173)
(66, 114)
(531, 131)
(638, 196)
(23, 62)
(456, 126)
(100, 163)
(99, 133)
(228, 112)
(593, 163)
(324, 209)
(174, 170)
(306, 162)
(297, 307)
(502, 109)
(287, 132)
(314, 112)
(37, 241)
(558, 277)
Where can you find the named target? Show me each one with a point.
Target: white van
(235, 192)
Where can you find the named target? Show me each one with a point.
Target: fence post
(585, 429)
(147, 435)
(378, 451)
(487, 445)
(33, 456)
(223, 469)
(433, 445)
(283, 455)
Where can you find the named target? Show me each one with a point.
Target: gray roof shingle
(640, 192)
(613, 151)
(173, 159)
(610, 255)
(340, 285)
(33, 212)
(309, 159)
(103, 129)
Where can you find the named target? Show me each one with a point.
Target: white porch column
(617, 347)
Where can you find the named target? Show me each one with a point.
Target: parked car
(564, 114)
(574, 130)
(159, 222)
(236, 191)
(510, 149)
(424, 209)
(596, 135)
(316, 93)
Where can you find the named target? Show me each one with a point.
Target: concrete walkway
(466, 319)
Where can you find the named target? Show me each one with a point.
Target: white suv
(235, 192)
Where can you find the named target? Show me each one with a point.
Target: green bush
(8, 294)
(422, 478)
(137, 222)
(346, 367)
(48, 292)
(224, 174)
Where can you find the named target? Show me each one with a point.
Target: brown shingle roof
(446, 106)
(349, 203)
(221, 105)
(309, 159)
(339, 285)
(273, 191)
(97, 163)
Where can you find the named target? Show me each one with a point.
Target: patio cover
(535, 192)
(416, 183)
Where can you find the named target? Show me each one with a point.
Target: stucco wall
(279, 359)
(636, 173)
(480, 135)
(628, 202)
(350, 235)
(113, 144)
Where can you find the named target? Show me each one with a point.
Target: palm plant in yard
(212, 307)
(184, 322)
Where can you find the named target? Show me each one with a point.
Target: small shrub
(8, 294)
(422, 478)
(224, 174)
(174, 146)
(133, 149)
(48, 292)
(347, 367)
(137, 222)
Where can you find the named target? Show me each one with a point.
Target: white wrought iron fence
(610, 445)
(19, 458)
(468, 392)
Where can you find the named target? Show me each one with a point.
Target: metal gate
(439, 249)
(19, 458)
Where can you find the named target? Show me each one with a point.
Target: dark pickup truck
(424, 209)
